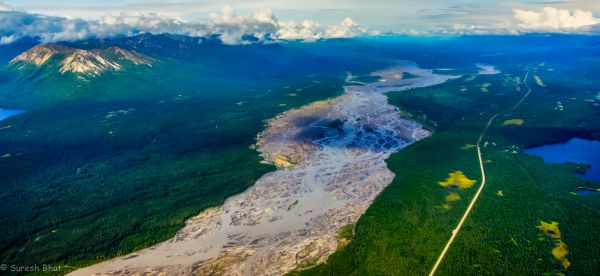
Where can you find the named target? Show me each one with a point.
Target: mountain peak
(40, 54)
(132, 57)
(92, 62)
(83, 61)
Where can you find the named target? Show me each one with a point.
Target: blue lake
(575, 150)
(582, 191)
(5, 113)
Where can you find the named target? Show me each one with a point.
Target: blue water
(586, 191)
(575, 150)
(5, 113)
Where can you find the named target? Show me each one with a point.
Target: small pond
(5, 113)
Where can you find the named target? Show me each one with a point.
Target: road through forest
(466, 214)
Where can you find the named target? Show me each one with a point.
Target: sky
(294, 19)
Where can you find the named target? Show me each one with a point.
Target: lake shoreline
(574, 151)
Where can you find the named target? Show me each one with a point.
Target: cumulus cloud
(310, 30)
(548, 19)
(307, 30)
(553, 19)
(230, 26)
(348, 28)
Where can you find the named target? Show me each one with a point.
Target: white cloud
(7, 39)
(231, 27)
(4, 7)
(310, 30)
(264, 25)
(464, 29)
(307, 30)
(553, 19)
(548, 19)
(348, 28)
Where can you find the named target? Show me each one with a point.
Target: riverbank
(289, 218)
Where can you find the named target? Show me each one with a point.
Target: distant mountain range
(67, 59)
(34, 75)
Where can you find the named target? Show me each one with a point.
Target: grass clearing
(515, 122)
(468, 146)
(539, 81)
(457, 180)
(561, 250)
(452, 197)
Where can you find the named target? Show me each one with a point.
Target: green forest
(406, 228)
(102, 168)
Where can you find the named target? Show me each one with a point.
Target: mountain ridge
(92, 62)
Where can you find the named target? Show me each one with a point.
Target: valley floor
(331, 167)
